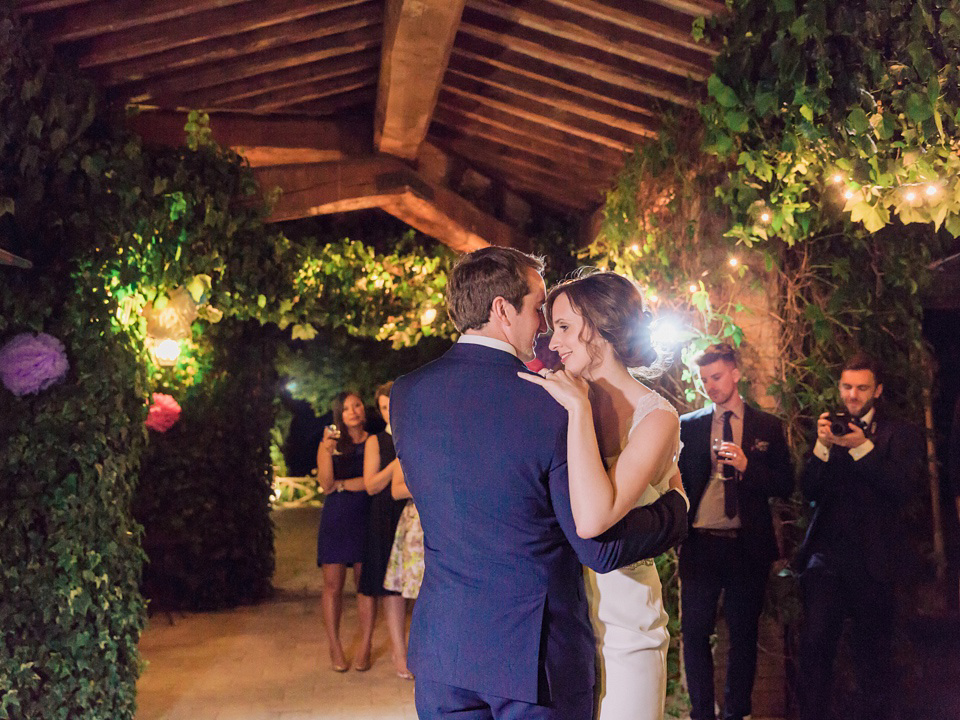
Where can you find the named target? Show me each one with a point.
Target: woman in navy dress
(379, 462)
(343, 524)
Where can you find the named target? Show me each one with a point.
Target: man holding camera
(862, 471)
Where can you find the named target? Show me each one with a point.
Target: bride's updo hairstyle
(612, 307)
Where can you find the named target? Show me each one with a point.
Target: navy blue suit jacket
(769, 473)
(502, 609)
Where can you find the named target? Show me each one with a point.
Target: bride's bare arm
(596, 502)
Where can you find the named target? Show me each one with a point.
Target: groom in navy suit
(500, 628)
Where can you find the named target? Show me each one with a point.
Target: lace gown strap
(648, 403)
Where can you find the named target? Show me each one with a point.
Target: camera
(839, 422)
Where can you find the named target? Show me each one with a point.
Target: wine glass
(335, 434)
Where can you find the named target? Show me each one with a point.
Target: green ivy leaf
(858, 122)
(918, 108)
(723, 94)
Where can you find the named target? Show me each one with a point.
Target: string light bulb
(932, 190)
(429, 315)
(635, 247)
(765, 216)
(910, 196)
(848, 193)
(733, 262)
(166, 352)
(693, 287)
(837, 179)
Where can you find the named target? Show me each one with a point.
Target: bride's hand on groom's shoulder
(571, 392)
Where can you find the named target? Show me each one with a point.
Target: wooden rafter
(384, 182)
(643, 125)
(418, 36)
(539, 112)
(227, 92)
(306, 92)
(330, 106)
(646, 17)
(249, 65)
(182, 32)
(639, 81)
(582, 32)
(485, 116)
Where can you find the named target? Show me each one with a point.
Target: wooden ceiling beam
(384, 182)
(645, 17)
(220, 95)
(641, 83)
(575, 175)
(213, 72)
(265, 141)
(480, 116)
(30, 7)
(305, 92)
(417, 38)
(696, 8)
(448, 124)
(514, 65)
(540, 113)
(182, 32)
(636, 123)
(581, 31)
(100, 17)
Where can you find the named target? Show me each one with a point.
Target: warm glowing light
(166, 352)
(911, 196)
(765, 216)
(693, 288)
(653, 298)
(666, 332)
(635, 247)
(429, 315)
(848, 194)
(292, 386)
(932, 190)
(378, 283)
(733, 262)
(838, 178)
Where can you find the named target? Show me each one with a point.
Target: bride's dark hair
(612, 307)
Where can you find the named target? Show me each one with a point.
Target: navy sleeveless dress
(381, 528)
(343, 519)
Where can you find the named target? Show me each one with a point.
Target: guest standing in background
(405, 570)
(379, 463)
(343, 524)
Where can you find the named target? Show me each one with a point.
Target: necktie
(729, 473)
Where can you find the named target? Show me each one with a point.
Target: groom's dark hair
(482, 276)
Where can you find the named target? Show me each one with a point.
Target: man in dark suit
(858, 478)
(734, 460)
(500, 628)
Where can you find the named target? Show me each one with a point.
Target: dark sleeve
(771, 473)
(892, 474)
(814, 478)
(645, 532)
(953, 456)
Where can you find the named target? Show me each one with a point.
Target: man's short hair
(483, 275)
(718, 351)
(863, 361)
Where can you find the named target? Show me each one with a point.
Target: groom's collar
(488, 342)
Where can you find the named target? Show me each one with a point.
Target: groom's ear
(498, 310)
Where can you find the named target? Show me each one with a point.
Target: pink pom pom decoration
(30, 363)
(163, 414)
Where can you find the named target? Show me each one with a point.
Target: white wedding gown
(626, 609)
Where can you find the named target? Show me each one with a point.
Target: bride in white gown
(622, 447)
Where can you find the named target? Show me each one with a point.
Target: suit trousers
(829, 596)
(437, 700)
(709, 566)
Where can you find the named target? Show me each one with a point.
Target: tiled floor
(269, 661)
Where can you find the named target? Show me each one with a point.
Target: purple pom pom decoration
(30, 363)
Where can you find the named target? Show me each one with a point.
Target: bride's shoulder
(649, 400)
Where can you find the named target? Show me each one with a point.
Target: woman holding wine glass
(343, 524)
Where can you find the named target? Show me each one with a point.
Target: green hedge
(204, 493)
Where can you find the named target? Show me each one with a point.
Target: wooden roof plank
(643, 125)
(543, 74)
(418, 36)
(103, 17)
(609, 73)
(500, 119)
(446, 123)
(696, 8)
(542, 113)
(306, 92)
(617, 43)
(202, 27)
(335, 104)
(212, 73)
(30, 7)
(220, 95)
(647, 17)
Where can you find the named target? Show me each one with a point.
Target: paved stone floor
(269, 661)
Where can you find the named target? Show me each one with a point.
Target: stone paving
(268, 661)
